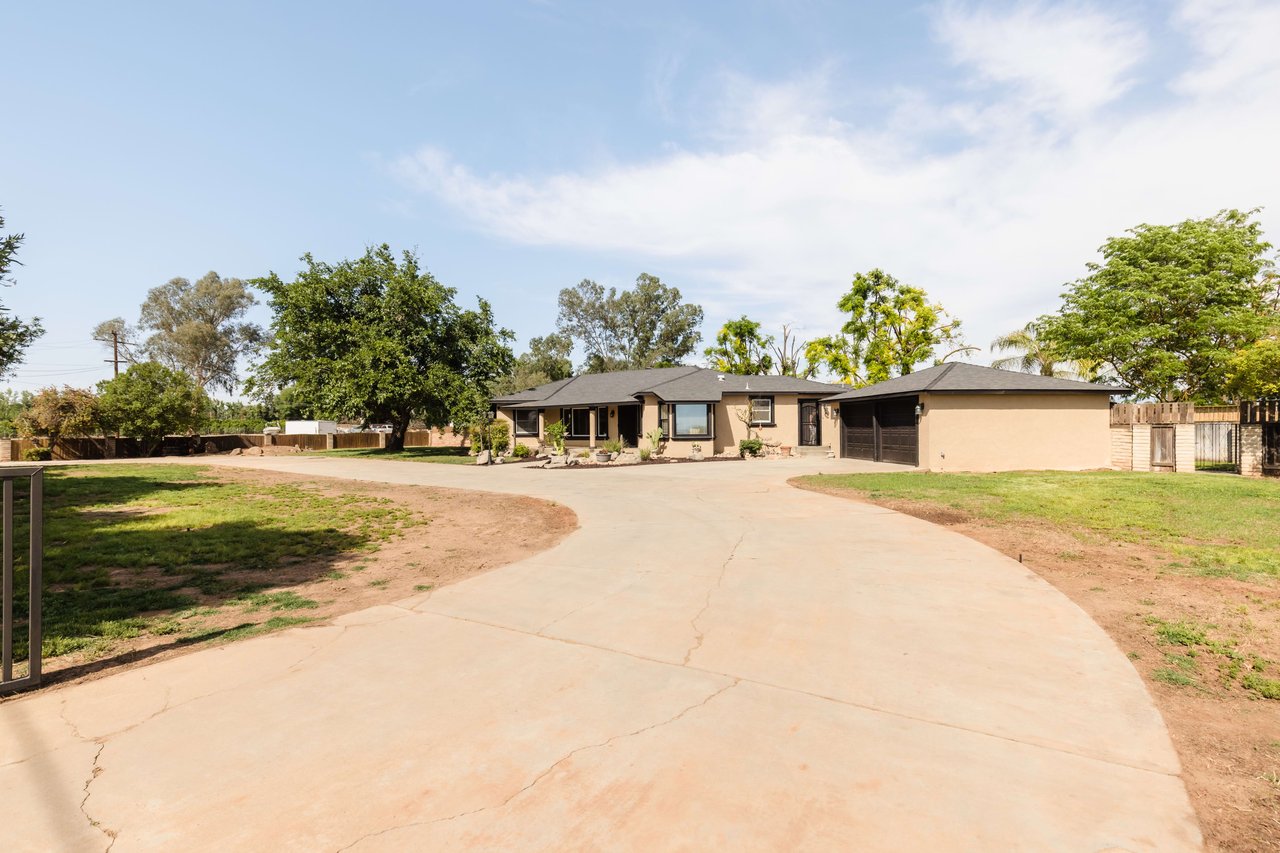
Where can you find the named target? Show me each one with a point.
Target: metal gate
(1217, 446)
(810, 424)
(1271, 449)
(20, 625)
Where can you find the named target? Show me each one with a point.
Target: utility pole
(115, 342)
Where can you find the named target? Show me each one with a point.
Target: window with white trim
(761, 410)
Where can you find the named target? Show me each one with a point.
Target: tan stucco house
(692, 405)
(962, 417)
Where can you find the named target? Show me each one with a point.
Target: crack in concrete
(94, 771)
(699, 636)
(549, 769)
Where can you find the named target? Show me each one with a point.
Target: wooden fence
(1123, 414)
(1229, 414)
(1260, 412)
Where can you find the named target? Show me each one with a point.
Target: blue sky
(754, 154)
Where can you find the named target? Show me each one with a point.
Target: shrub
(38, 454)
(645, 453)
(752, 446)
(521, 451)
(499, 437)
(655, 439)
(149, 401)
(584, 453)
(555, 435)
(613, 446)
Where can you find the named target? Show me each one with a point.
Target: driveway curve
(715, 660)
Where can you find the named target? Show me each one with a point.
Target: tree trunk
(399, 428)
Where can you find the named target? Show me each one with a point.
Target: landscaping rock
(482, 458)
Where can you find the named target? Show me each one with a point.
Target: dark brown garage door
(859, 430)
(885, 431)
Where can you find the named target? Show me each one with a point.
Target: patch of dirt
(459, 534)
(1227, 737)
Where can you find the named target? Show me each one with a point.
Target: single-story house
(962, 417)
(692, 405)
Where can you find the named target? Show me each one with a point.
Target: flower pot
(602, 456)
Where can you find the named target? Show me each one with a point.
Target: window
(664, 419)
(580, 423)
(691, 420)
(761, 411)
(602, 422)
(526, 421)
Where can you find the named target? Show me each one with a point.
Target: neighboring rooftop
(958, 378)
(670, 384)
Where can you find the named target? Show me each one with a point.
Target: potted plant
(601, 455)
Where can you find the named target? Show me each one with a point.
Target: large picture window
(761, 411)
(580, 423)
(691, 420)
(526, 421)
(602, 422)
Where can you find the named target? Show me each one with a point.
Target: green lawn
(1212, 524)
(134, 549)
(446, 455)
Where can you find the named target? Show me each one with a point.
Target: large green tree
(16, 335)
(1254, 371)
(1170, 305)
(547, 360)
(648, 326)
(892, 328)
(741, 348)
(149, 401)
(380, 339)
(199, 328)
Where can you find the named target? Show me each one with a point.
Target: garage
(963, 417)
(881, 431)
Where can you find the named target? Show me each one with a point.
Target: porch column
(593, 414)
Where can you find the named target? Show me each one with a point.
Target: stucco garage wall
(1010, 432)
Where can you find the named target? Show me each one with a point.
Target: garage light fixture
(919, 409)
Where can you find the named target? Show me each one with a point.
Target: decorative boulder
(482, 458)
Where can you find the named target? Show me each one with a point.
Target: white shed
(310, 427)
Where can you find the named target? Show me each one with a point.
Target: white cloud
(774, 218)
(1064, 60)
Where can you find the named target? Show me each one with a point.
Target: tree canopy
(149, 401)
(892, 327)
(741, 348)
(1254, 371)
(649, 326)
(58, 412)
(382, 340)
(1171, 305)
(16, 335)
(197, 328)
(547, 360)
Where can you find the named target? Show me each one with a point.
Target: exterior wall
(1122, 447)
(1251, 450)
(1141, 447)
(1184, 448)
(1011, 432)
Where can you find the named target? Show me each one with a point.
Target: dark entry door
(810, 424)
(629, 425)
(1162, 447)
(858, 428)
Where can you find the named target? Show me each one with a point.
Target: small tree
(150, 401)
(741, 348)
(58, 414)
(555, 435)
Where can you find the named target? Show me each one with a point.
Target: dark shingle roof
(671, 384)
(958, 378)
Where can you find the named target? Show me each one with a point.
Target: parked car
(381, 428)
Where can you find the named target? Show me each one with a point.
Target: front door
(810, 424)
(629, 425)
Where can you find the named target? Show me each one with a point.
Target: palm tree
(1037, 356)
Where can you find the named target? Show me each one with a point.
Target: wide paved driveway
(715, 661)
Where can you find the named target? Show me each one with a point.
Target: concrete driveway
(715, 661)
